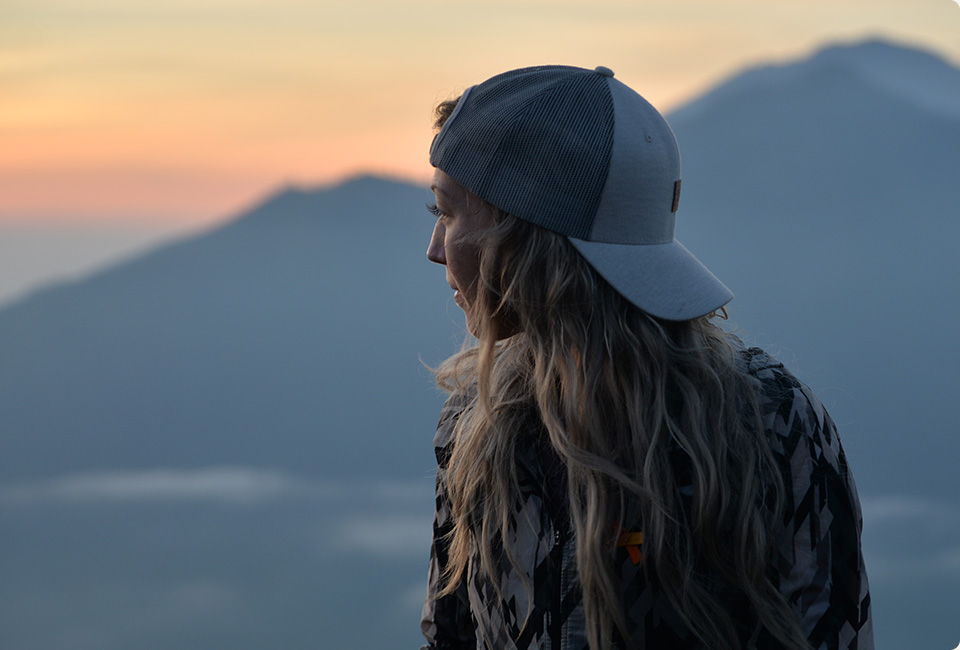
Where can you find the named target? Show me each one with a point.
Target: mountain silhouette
(829, 204)
(918, 76)
(287, 338)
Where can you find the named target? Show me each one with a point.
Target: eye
(435, 211)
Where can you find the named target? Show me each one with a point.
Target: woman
(614, 470)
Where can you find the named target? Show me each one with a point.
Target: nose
(435, 251)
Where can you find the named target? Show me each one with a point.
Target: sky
(183, 112)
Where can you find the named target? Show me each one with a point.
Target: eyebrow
(435, 188)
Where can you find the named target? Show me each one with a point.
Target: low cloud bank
(910, 538)
(386, 536)
(889, 509)
(241, 485)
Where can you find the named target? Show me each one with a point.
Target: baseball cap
(578, 152)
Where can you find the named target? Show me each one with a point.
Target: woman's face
(460, 215)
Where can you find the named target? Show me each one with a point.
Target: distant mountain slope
(915, 75)
(919, 76)
(289, 337)
(37, 255)
(830, 206)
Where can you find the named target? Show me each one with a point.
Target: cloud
(897, 509)
(898, 566)
(910, 538)
(385, 536)
(217, 484)
(411, 598)
(239, 485)
(200, 597)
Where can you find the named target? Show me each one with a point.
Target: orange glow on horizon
(187, 111)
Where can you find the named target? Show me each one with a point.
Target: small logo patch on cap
(676, 196)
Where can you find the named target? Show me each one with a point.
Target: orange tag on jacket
(632, 542)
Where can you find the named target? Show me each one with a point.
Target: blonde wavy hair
(619, 392)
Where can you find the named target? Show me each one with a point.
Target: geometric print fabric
(818, 566)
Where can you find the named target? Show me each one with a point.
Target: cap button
(604, 70)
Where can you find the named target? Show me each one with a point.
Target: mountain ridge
(909, 72)
(296, 252)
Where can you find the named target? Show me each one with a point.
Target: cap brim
(664, 280)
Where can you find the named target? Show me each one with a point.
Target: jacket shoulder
(789, 408)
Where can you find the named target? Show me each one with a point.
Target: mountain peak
(364, 182)
(911, 73)
(915, 74)
(874, 50)
(353, 194)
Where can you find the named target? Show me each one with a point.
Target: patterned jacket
(819, 567)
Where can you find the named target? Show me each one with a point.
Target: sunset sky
(186, 110)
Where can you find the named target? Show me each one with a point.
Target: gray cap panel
(637, 202)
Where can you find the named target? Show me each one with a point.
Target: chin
(503, 329)
(472, 328)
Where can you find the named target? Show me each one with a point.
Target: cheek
(464, 263)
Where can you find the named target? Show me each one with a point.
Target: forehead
(457, 198)
(447, 187)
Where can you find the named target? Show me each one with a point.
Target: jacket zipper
(556, 600)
